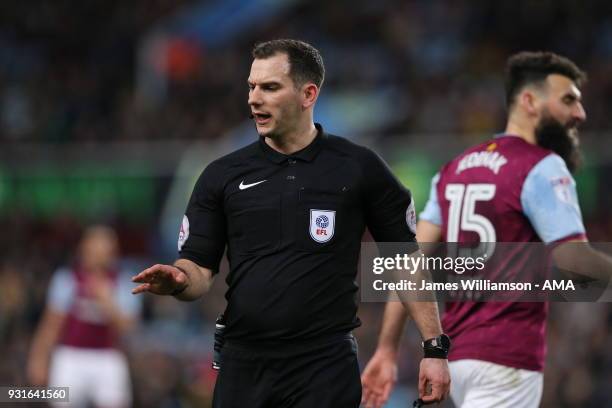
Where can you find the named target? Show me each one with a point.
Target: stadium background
(110, 109)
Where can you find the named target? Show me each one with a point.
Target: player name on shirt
(491, 160)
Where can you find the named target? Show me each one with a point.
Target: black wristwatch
(437, 347)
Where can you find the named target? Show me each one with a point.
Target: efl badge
(183, 233)
(322, 223)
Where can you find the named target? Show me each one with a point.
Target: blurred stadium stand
(110, 109)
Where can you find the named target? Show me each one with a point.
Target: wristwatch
(437, 347)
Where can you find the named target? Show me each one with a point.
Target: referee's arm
(391, 218)
(396, 313)
(422, 312)
(199, 279)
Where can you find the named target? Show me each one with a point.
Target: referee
(291, 209)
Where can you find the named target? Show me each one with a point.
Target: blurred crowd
(70, 72)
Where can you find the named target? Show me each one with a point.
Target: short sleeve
(432, 212)
(550, 201)
(203, 235)
(389, 207)
(62, 289)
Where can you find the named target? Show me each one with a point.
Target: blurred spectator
(89, 308)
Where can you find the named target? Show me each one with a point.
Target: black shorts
(326, 376)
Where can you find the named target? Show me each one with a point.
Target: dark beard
(563, 140)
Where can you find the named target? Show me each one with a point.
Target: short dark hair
(305, 61)
(532, 68)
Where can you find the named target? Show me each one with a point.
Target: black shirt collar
(306, 154)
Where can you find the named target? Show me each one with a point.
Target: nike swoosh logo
(243, 186)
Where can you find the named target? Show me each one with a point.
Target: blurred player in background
(522, 192)
(291, 208)
(89, 308)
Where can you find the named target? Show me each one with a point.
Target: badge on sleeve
(322, 223)
(563, 189)
(411, 219)
(183, 233)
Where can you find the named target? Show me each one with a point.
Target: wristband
(437, 347)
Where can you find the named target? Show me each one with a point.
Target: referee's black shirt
(293, 226)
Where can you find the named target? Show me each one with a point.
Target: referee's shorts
(324, 374)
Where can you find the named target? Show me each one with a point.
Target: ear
(530, 102)
(310, 93)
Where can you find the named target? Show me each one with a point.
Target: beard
(561, 139)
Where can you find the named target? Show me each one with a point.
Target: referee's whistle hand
(160, 280)
(434, 380)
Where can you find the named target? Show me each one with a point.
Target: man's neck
(522, 130)
(293, 142)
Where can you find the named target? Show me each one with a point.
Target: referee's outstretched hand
(434, 380)
(160, 280)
